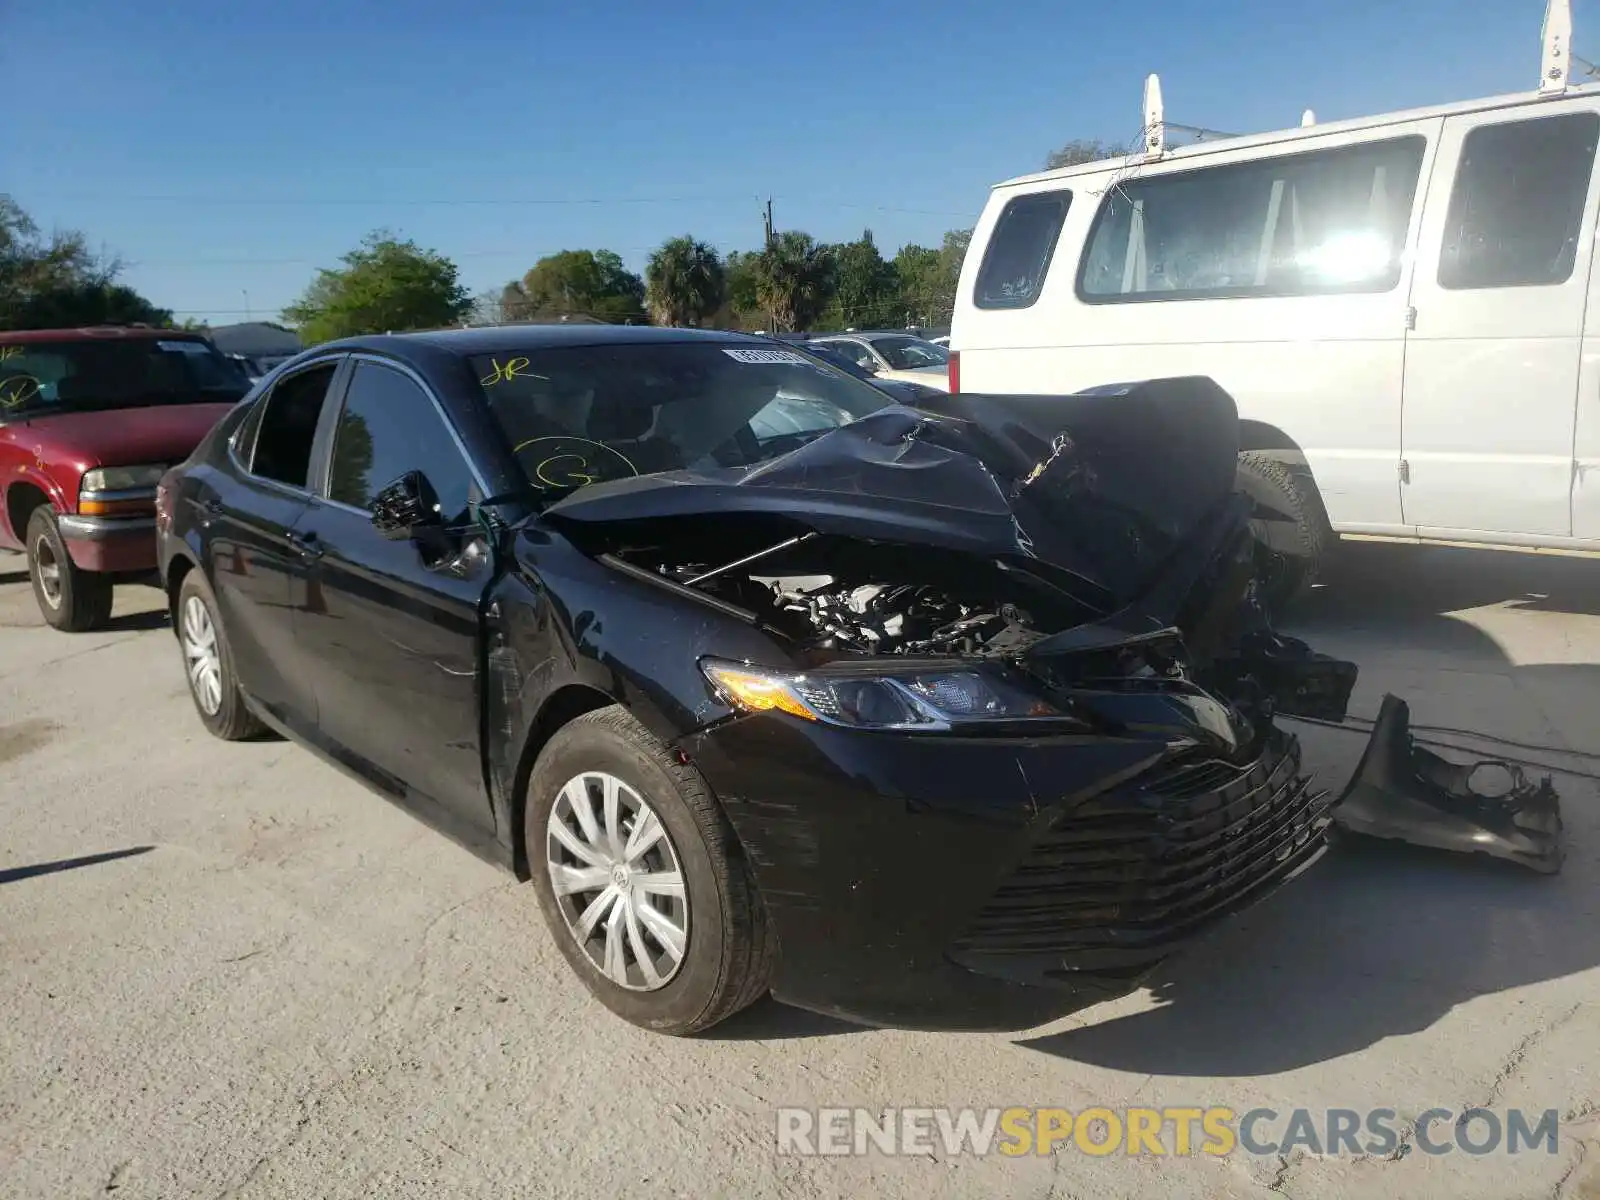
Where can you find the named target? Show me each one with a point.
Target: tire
(70, 598)
(217, 699)
(726, 961)
(1286, 577)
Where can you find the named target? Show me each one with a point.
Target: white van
(1404, 307)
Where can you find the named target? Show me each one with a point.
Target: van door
(1491, 373)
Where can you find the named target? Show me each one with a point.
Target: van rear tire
(1292, 560)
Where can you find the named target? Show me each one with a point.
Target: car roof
(98, 333)
(496, 339)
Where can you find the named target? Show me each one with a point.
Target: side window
(1318, 223)
(288, 425)
(1020, 249)
(1516, 209)
(388, 427)
(855, 352)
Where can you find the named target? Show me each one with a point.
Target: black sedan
(766, 683)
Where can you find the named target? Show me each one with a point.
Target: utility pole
(768, 241)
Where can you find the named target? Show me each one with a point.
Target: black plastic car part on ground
(959, 715)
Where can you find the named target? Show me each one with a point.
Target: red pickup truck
(90, 419)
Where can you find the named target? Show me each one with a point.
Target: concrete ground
(225, 970)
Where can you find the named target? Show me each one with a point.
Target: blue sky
(230, 149)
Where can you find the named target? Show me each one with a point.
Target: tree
(58, 282)
(867, 289)
(794, 280)
(928, 277)
(741, 307)
(684, 283)
(384, 284)
(579, 282)
(1080, 150)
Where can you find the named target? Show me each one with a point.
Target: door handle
(308, 544)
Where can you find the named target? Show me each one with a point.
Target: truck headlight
(122, 479)
(914, 699)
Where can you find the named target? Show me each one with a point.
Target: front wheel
(207, 662)
(70, 598)
(1291, 528)
(640, 878)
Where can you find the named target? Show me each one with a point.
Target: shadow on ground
(1380, 939)
(16, 874)
(13, 577)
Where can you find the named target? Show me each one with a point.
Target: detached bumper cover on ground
(1088, 551)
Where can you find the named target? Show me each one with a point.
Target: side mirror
(406, 507)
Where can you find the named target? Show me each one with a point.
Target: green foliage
(384, 284)
(928, 278)
(866, 288)
(57, 282)
(1080, 150)
(577, 282)
(684, 282)
(794, 280)
(741, 308)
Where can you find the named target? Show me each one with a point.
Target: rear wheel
(209, 665)
(640, 879)
(1292, 531)
(70, 598)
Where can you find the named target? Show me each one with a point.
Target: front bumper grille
(1121, 882)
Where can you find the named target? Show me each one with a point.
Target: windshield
(51, 377)
(909, 353)
(589, 414)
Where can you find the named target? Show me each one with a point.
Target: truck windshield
(45, 377)
(589, 414)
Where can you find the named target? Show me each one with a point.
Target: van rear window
(1315, 223)
(1020, 250)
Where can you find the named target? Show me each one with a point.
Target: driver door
(390, 633)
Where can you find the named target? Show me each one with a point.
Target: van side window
(1317, 223)
(1020, 250)
(1516, 209)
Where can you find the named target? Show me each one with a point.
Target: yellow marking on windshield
(582, 472)
(18, 390)
(7, 353)
(512, 368)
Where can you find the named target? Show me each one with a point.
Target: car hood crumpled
(1104, 485)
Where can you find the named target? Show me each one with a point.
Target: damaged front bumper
(1404, 792)
(997, 883)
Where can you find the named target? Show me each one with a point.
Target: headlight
(122, 479)
(913, 699)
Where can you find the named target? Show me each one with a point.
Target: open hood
(1104, 485)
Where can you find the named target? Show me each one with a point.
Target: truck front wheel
(69, 597)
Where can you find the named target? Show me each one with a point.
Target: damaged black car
(955, 715)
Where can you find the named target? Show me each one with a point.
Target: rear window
(576, 415)
(56, 376)
(1020, 249)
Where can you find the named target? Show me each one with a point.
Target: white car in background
(893, 355)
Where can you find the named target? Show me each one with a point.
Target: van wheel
(1291, 528)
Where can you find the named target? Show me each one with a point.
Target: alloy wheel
(49, 570)
(617, 880)
(201, 656)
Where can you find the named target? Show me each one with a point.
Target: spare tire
(1291, 528)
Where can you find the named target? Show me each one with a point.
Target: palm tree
(683, 282)
(794, 280)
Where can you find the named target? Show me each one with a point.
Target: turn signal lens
(756, 693)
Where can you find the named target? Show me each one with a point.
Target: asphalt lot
(278, 985)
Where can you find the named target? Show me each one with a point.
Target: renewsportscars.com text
(1177, 1131)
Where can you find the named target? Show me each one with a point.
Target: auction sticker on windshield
(786, 357)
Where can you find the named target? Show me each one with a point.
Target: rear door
(1491, 372)
(256, 571)
(390, 634)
